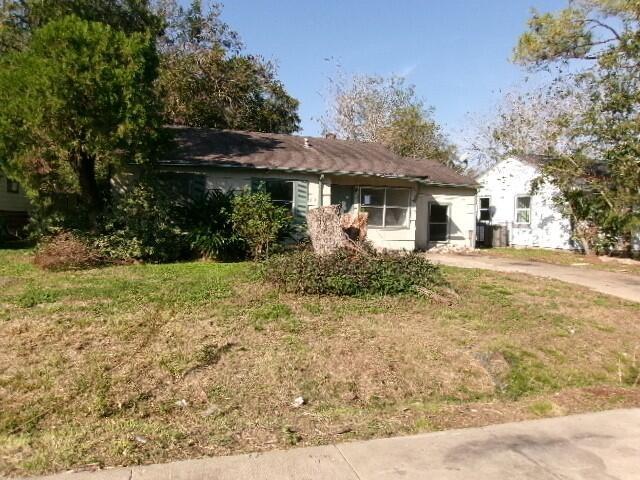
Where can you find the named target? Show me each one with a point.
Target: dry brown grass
(94, 365)
(65, 251)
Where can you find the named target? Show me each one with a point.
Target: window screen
(387, 207)
(523, 209)
(485, 209)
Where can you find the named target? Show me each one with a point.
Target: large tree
(206, 80)
(371, 108)
(20, 18)
(599, 176)
(77, 101)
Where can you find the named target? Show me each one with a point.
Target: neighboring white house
(412, 204)
(505, 198)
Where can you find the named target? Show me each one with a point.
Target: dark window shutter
(301, 201)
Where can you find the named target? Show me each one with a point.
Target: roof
(230, 148)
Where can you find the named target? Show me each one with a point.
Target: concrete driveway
(594, 446)
(623, 285)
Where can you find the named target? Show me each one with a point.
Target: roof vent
(330, 136)
(306, 143)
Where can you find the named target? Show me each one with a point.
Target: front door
(438, 222)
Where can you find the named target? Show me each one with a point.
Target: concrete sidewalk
(622, 285)
(594, 446)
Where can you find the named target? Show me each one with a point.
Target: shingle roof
(230, 148)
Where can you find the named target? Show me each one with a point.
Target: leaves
(371, 108)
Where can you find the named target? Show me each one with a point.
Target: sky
(456, 52)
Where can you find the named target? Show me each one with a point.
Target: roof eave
(423, 180)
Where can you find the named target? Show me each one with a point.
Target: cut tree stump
(329, 230)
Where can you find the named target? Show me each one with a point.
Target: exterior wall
(462, 223)
(12, 202)
(240, 178)
(502, 183)
(409, 237)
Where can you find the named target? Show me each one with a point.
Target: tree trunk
(89, 191)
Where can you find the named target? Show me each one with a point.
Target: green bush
(259, 221)
(347, 272)
(141, 225)
(206, 221)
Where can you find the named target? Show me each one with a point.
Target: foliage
(348, 272)
(141, 225)
(206, 219)
(259, 221)
(206, 80)
(599, 175)
(534, 121)
(66, 251)
(20, 18)
(76, 104)
(386, 110)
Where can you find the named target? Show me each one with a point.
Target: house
(14, 205)
(505, 199)
(412, 204)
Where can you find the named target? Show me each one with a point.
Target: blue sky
(456, 52)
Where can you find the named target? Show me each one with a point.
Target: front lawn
(152, 363)
(560, 257)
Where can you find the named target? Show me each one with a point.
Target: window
(523, 209)
(185, 185)
(438, 222)
(485, 209)
(281, 192)
(387, 207)
(12, 186)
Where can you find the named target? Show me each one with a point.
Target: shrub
(259, 221)
(206, 221)
(141, 225)
(66, 251)
(347, 272)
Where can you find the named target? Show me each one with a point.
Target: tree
(206, 80)
(599, 176)
(20, 18)
(76, 103)
(385, 110)
(535, 121)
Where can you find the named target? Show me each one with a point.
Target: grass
(560, 257)
(150, 363)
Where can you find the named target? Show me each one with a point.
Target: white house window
(438, 222)
(523, 209)
(387, 207)
(485, 209)
(12, 186)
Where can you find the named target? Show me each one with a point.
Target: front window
(523, 209)
(12, 186)
(387, 207)
(485, 209)
(281, 192)
(438, 222)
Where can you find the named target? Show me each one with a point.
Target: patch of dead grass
(99, 375)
